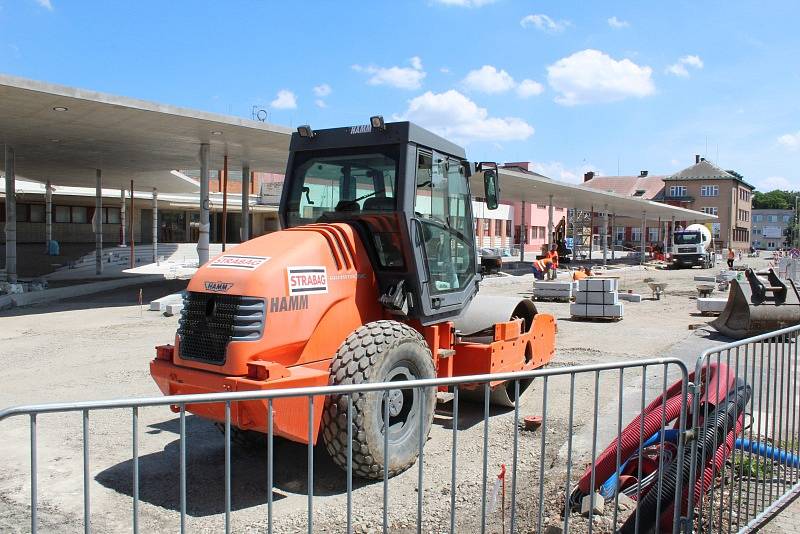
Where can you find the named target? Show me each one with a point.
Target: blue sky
(571, 86)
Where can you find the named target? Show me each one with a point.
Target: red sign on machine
(307, 280)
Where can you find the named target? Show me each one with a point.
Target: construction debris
(161, 304)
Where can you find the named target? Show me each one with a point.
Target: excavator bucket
(758, 306)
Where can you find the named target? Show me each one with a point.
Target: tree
(777, 199)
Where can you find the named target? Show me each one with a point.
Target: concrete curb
(60, 293)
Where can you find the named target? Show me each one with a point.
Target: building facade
(770, 229)
(710, 189)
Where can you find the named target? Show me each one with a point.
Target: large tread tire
(371, 354)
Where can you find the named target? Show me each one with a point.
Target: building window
(709, 190)
(111, 216)
(80, 214)
(619, 231)
(772, 218)
(677, 190)
(636, 234)
(710, 210)
(62, 214)
(37, 213)
(498, 230)
(22, 213)
(509, 224)
(758, 218)
(652, 234)
(787, 218)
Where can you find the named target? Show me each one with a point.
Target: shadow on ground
(159, 472)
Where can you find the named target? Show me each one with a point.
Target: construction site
(210, 323)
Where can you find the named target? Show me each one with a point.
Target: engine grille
(210, 321)
(687, 249)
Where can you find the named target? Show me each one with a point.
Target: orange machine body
(318, 286)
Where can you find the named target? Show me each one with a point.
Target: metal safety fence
(637, 446)
(757, 470)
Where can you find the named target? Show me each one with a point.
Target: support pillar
(98, 222)
(643, 236)
(11, 217)
(575, 234)
(523, 234)
(202, 241)
(225, 204)
(245, 229)
(613, 236)
(132, 217)
(591, 232)
(122, 217)
(155, 225)
(672, 234)
(604, 235)
(48, 215)
(550, 223)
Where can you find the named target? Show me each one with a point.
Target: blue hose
(609, 487)
(768, 451)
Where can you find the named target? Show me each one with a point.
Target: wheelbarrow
(657, 288)
(705, 290)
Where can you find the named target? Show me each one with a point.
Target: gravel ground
(99, 347)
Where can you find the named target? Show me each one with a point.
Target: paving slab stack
(554, 290)
(597, 298)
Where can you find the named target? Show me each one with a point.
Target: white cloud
(776, 182)
(528, 88)
(284, 100)
(400, 77)
(679, 68)
(454, 116)
(558, 171)
(320, 103)
(488, 79)
(322, 90)
(617, 24)
(544, 23)
(591, 76)
(45, 4)
(444, 70)
(790, 140)
(465, 3)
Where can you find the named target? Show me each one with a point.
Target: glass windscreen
(353, 180)
(687, 238)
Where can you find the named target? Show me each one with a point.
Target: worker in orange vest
(553, 257)
(541, 267)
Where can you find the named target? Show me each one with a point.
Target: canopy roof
(64, 133)
(535, 188)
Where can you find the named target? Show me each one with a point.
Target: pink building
(502, 228)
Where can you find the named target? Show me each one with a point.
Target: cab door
(443, 236)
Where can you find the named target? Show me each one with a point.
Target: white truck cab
(692, 246)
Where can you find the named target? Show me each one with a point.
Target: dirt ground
(99, 347)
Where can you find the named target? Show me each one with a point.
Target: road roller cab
(372, 279)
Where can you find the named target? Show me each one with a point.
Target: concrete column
(98, 220)
(245, 231)
(523, 234)
(11, 218)
(643, 236)
(155, 225)
(591, 232)
(122, 217)
(549, 240)
(663, 228)
(575, 234)
(613, 235)
(604, 235)
(48, 215)
(202, 242)
(672, 235)
(503, 224)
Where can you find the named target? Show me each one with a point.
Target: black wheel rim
(403, 403)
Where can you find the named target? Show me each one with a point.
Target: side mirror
(491, 189)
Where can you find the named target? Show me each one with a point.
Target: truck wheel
(381, 351)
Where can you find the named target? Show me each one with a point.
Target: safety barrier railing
(757, 469)
(555, 468)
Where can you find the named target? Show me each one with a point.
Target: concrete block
(711, 305)
(173, 309)
(597, 507)
(630, 297)
(597, 310)
(596, 297)
(705, 278)
(597, 284)
(552, 294)
(162, 303)
(559, 285)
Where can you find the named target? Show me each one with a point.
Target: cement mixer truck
(692, 246)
